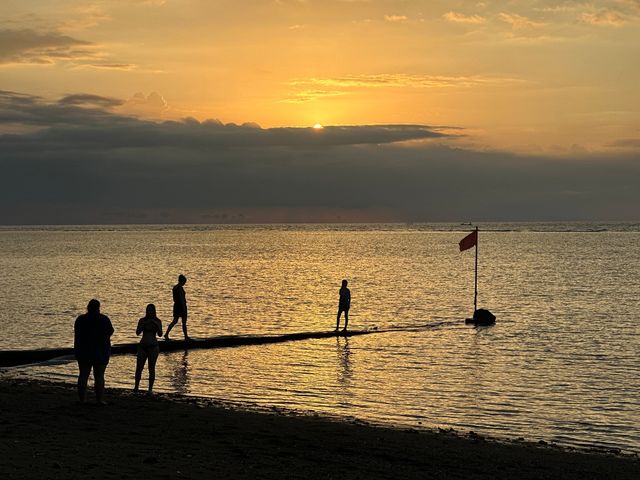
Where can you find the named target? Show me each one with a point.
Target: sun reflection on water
(560, 364)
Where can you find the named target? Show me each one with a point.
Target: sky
(194, 111)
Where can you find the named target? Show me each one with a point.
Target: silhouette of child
(343, 305)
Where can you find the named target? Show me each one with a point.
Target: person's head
(151, 311)
(344, 283)
(182, 279)
(93, 306)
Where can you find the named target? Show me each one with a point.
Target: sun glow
(317, 126)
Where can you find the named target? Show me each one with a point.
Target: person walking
(92, 349)
(179, 307)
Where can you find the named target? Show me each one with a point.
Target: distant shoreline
(45, 435)
(551, 226)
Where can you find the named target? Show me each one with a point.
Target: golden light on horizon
(369, 69)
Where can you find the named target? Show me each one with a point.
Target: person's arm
(159, 327)
(140, 326)
(348, 296)
(110, 329)
(76, 342)
(183, 298)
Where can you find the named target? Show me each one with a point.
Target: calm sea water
(561, 364)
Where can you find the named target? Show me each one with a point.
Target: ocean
(561, 364)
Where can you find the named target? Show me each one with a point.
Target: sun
(317, 126)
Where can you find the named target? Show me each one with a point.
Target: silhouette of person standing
(343, 305)
(149, 326)
(92, 348)
(179, 307)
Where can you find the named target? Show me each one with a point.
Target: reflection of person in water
(343, 305)
(180, 372)
(150, 327)
(344, 354)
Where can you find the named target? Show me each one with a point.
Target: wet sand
(45, 434)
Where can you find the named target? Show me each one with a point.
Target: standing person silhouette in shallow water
(92, 348)
(343, 305)
(149, 326)
(179, 307)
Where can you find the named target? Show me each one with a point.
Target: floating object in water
(481, 316)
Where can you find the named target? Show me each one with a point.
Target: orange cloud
(456, 17)
(404, 80)
(396, 18)
(604, 17)
(519, 21)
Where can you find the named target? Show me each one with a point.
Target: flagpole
(475, 293)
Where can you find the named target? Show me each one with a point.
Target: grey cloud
(103, 168)
(124, 133)
(77, 111)
(88, 100)
(30, 46)
(82, 122)
(112, 66)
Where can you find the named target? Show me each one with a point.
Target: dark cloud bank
(76, 161)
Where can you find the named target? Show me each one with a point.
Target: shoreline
(46, 435)
(262, 408)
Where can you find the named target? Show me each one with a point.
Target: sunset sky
(538, 100)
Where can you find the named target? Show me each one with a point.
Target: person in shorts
(343, 305)
(179, 307)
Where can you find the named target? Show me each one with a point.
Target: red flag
(469, 241)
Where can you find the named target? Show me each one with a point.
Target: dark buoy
(481, 317)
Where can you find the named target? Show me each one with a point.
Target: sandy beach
(45, 434)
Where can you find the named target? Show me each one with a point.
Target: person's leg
(83, 378)
(338, 319)
(98, 377)
(184, 326)
(346, 319)
(140, 361)
(171, 325)
(153, 358)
